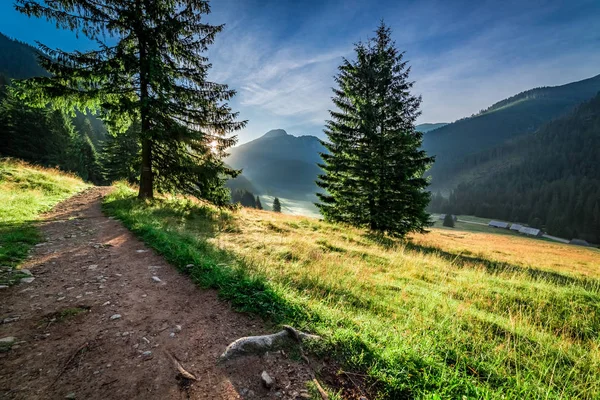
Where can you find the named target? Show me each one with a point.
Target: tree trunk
(146, 178)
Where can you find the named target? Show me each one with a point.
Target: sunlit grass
(444, 315)
(25, 192)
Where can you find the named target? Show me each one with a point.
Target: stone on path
(266, 380)
(115, 316)
(156, 279)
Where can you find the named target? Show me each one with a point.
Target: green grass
(421, 321)
(27, 191)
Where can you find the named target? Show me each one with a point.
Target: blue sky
(281, 55)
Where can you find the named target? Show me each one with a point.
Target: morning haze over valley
(257, 199)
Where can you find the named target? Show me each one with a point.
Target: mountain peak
(275, 133)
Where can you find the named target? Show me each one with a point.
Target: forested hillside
(552, 180)
(18, 60)
(42, 135)
(520, 114)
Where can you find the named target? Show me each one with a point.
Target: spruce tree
(155, 73)
(448, 221)
(276, 205)
(258, 203)
(374, 170)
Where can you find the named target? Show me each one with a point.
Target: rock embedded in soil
(266, 380)
(28, 280)
(156, 279)
(115, 316)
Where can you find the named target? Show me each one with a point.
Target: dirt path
(70, 342)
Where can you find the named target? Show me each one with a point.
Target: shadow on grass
(498, 267)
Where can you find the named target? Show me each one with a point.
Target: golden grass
(442, 315)
(522, 251)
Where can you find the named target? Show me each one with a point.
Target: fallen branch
(261, 344)
(322, 392)
(182, 371)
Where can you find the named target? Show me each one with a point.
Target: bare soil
(91, 268)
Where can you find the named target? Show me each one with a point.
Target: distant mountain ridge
(427, 127)
(18, 60)
(517, 115)
(280, 164)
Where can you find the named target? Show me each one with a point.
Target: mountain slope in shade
(427, 127)
(280, 164)
(549, 179)
(518, 115)
(18, 60)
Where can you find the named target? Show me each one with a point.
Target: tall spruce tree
(374, 170)
(155, 73)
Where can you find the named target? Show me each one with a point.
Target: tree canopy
(156, 74)
(374, 169)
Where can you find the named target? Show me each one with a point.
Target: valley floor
(94, 324)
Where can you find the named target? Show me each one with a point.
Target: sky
(281, 55)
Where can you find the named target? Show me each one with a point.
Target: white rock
(115, 316)
(60, 299)
(266, 380)
(106, 303)
(8, 339)
(26, 271)
(3, 287)
(177, 328)
(141, 251)
(156, 279)
(147, 353)
(93, 267)
(28, 280)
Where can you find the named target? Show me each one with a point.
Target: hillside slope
(18, 60)
(550, 179)
(25, 192)
(280, 164)
(427, 127)
(503, 121)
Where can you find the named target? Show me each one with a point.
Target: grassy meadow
(444, 315)
(25, 192)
